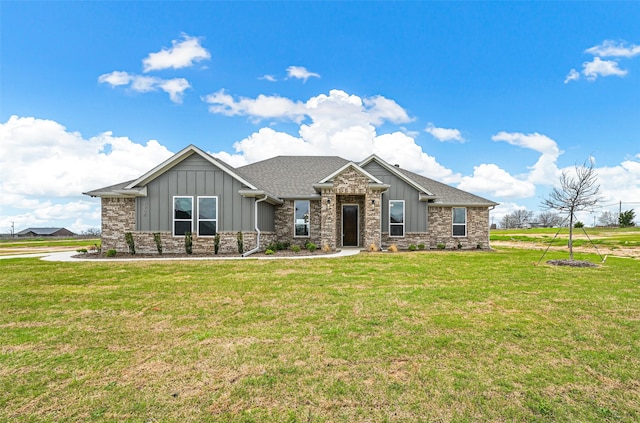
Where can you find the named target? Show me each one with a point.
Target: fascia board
(356, 168)
(395, 171)
(177, 158)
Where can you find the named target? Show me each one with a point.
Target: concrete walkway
(68, 256)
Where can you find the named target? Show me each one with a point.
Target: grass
(10, 246)
(609, 237)
(422, 336)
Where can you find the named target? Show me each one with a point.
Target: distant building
(45, 232)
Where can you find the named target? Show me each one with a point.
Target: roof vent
(397, 165)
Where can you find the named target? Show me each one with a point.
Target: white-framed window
(182, 215)
(459, 221)
(396, 218)
(207, 216)
(301, 218)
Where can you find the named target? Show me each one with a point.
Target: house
(327, 200)
(33, 232)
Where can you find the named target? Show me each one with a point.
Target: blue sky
(495, 98)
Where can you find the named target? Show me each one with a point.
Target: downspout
(248, 253)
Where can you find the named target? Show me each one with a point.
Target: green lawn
(423, 336)
(608, 237)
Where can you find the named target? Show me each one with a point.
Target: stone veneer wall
(351, 187)
(118, 217)
(440, 228)
(284, 224)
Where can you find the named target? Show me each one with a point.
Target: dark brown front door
(350, 225)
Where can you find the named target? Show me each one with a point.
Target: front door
(349, 225)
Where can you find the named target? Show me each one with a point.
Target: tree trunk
(571, 236)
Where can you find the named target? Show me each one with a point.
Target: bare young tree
(574, 194)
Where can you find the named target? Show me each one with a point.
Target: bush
(412, 247)
(295, 248)
(372, 248)
(421, 246)
(578, 225)
(216, 243)
(188, 243)
(441, 246)
(326, 248)
(111, 253)
(240, 242)
(82, 251)
(278, 245)
(98, 248)
(269, 252)
(393, 248)
(459, 246)
(157, 238)
(128, 236)
(311, 247)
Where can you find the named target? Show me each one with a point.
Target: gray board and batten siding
(415, 210)
(195, 176)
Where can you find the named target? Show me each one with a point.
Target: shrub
(459, 245)
(157, 238)
(98, 248)
(421, 246)
(111, 253)
(188, 243)
(372, 248)
(311, 247)
(240, 242)
(326, 248)
(578, 225)
(216, 243)
(393, 248)
(269, 252)
(82, 251)
(128, 236)
(412, 247)
(441, 246)
(278, 245)
(295, 248)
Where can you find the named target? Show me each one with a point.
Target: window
(301, 217)
(207, 216)
(182, 215)
(396, 218)
(459, 221)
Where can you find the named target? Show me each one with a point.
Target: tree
(521, 217)
(626, 218)
(549, 219)
(574, 194)
(608, 218)
(507, 221)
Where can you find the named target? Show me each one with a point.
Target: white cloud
(45, 168)
(182, 54)
(263, 107)
(573, 75)
(300, 72)
(598, 67)
(174, 87)
(610, 48)
(115, 78)
(444, 134)
(545, 170)
(269, 78)
(338, 124)
(491, 179)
